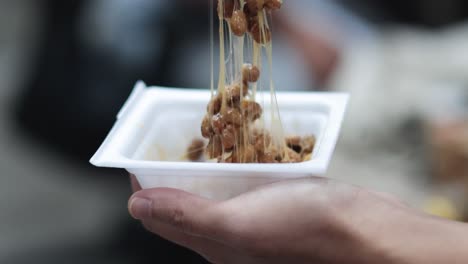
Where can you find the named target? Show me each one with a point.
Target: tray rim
(108, 156)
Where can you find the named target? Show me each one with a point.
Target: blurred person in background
(92, 52)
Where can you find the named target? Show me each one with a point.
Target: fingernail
(140, 208)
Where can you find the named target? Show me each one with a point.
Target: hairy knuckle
(179, 219)
(176, 217)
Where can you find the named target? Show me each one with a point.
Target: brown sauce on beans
(233, 124)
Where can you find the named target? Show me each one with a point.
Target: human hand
(311, 220)
(321, 56)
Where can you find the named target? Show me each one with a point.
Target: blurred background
(66, 67)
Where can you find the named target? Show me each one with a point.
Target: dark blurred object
(428, 13)
(76, 89)
(74, 93)
(138, 246)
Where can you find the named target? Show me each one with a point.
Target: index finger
(134, 183)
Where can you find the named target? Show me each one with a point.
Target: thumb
(189, 213)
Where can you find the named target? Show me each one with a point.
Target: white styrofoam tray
(156, 125)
